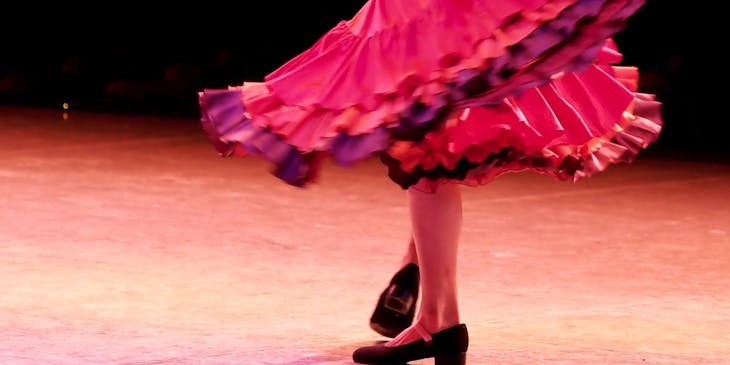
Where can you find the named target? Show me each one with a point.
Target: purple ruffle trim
(568, 43)
(233, 134)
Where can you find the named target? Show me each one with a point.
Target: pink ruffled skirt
(448, 90)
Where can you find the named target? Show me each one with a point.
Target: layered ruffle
(571, 128)
(390, 78)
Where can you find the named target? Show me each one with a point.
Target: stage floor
(125, 239)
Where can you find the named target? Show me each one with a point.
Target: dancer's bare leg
(410, 257)
(436, 226)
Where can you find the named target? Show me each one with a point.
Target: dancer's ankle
(435, 322)
(436, 325)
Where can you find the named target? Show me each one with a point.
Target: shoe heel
(398, 300)
(451, 359)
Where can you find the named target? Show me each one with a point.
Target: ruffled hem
(508, 151)
(233, 134)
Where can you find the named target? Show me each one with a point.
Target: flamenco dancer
(446, 93)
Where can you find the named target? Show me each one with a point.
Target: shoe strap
(422, 332)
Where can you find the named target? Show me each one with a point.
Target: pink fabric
(525, 84)
(389, 41)
(367, 70)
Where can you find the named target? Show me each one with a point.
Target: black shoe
(447, 347)
(397, 304)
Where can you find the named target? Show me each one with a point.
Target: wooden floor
(127, 240)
